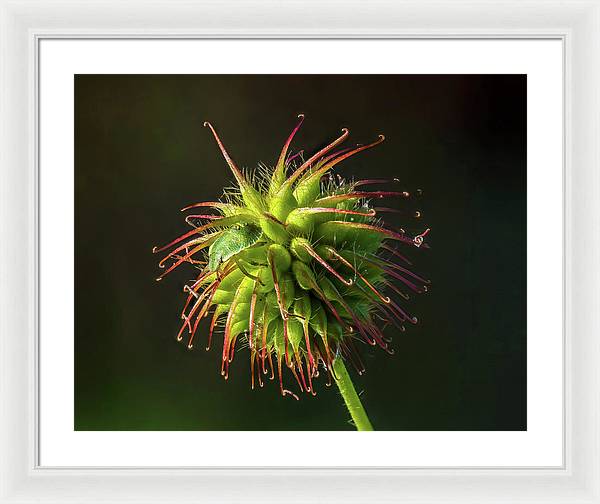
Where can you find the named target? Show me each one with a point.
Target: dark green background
(141, 154)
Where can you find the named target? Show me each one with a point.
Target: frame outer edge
(583, 250)
(17, 246)
(20, 482)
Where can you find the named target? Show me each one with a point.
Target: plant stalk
(355, 407)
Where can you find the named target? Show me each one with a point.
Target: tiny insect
(231, 242)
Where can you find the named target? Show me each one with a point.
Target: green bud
(318, 319)
(222, 297)
(295, 332)
(298, 248)
(334, 330)
(274, 230)
(302, 306)
(255, 255)
(282, 203)
(303, 275)
(300, 222)
(288, 290)
(330, 290)
(231, 281)
(280, 257)
(265, 278)
(307, 191)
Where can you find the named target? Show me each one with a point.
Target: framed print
(374, 246)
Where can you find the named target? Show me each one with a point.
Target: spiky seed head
(296, 263)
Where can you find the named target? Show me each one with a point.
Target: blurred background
(141, 154)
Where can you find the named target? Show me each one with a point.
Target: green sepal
(231, 281)
(252, 198)
(308, 188)
(304, 275)
(282, 203)
(279, 257)
(288, 289)
(339, 233)
(295, 332)
(298, 247)
(274, 230)
(302, 306)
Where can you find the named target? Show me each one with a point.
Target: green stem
(355, 407)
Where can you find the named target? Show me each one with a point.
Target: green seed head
(297, 264)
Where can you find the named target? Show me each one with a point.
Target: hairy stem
(355, 407)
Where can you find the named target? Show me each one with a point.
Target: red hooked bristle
(329, 359)
(326, 265)
(392, 317)
(258, 374)
(396, 253)
(404, 280)
(271, 367)
(298, 363)
(251, 317)
(388, 210)
(195, 262)
(241, 180)
(352, 346)
(232, 348)
(336, 198)
(368, 227)
(294, 156)
(188, 219)
(403, 316)
(205, 240)
(194, 232)
(333, 155)
(199, 298)
(201, 314)
(212, 204)
(310, 210)
(182, 260)
(252, 358)
(284, 392)
(213, 323)
(192, 291)
(418, 240)
(339, 159)
(191, 330)
(332, 309)
(176, 240)
(350, 357)
(316, 156)
(281, 303)
(264, 339)
(310, 384)
(363, 182)
(396, 290)
(376, 335)
(404, 270)
(329, 377)
(382, 341)
(348, 264)
(382, 264)
(227, 335)
(281, 161)
(311, 359)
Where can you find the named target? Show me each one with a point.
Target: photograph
(300, 252)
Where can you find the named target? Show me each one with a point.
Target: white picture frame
(24, 23)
